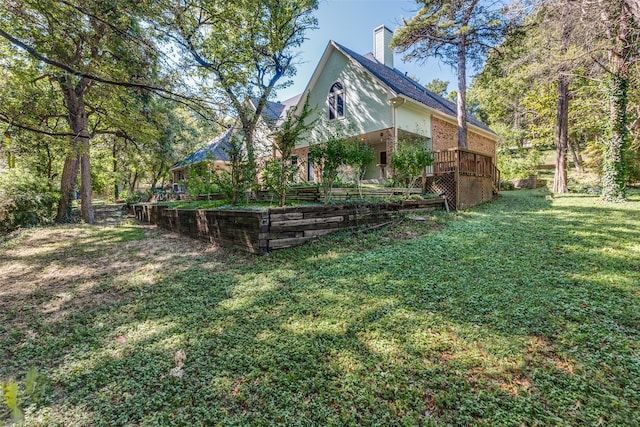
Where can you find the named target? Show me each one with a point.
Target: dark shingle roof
(271, 112)
(402, 84)
(217, 149)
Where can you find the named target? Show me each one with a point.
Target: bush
(507, 186)
(409, 160)
(329, 155)
(201, 180)
(519, 164)
(25, 199)
(136, 197)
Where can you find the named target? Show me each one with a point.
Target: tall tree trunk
(133, 182)
(68, 181)
(251, 153)
(614, 167)
(562, 128)
(462, 93)
(77, 118)
(562, 117)
(86, 202)
(116, 186)
(574, 147)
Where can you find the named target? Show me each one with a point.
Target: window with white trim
(336, 101)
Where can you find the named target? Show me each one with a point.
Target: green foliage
(329, 156)
(438, 86)
(14, 400)
(409, 161)
(200, 179)
(25, 199)
(238, 179)
(518, 164)
(251, 64)
(470, 318)
(614, 167)
(358, 155)
(278, 175)
(279, 171)
(11, 399)
(133, 197)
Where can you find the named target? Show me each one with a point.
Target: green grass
(523, 311)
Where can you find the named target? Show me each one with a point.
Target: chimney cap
(384, 27)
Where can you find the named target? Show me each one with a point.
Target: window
(336, 101)
(294, 160)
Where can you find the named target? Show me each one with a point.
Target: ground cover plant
(523, 311)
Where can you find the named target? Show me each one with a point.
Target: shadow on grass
(520, 311)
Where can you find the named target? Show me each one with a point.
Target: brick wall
(481, 144)
(445, 137)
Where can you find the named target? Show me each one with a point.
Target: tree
(235, 181)
(410, 160)
(74, 41)
(438, 86)
(528, 83)
(453, 31)
(614, 25)
(358, 155)
(329, 155)
(280, 171)
(247, 66)
(558, 19)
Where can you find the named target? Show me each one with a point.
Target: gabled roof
(403, 85)
(271, 112)
(275, 112)
(217, 149)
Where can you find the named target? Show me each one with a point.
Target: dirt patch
(52, 271)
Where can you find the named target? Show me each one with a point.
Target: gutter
(445, 117)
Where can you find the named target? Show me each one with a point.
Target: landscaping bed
(263, 229)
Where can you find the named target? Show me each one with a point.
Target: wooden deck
(465, 177)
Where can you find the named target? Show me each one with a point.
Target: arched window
(336, 101)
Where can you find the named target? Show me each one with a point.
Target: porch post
(391, 145)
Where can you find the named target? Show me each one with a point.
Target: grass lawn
(524, 311)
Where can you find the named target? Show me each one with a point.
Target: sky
(351, 23)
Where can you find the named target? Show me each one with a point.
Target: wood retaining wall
(261, 231)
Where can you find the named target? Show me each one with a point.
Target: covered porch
(384, 143)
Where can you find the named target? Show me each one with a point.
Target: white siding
(366, 104)
(414, 120)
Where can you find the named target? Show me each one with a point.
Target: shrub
(278, 175)
(507, 186)
(25, 199)
(409, 160)
(201, 180)
(519, 164)
(358, 155)
(330, 155)
(136, 197)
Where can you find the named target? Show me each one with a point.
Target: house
(365, 97)
(216, 151)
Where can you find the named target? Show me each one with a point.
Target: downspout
(395, 127)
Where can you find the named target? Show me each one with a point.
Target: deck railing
(466, 162)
